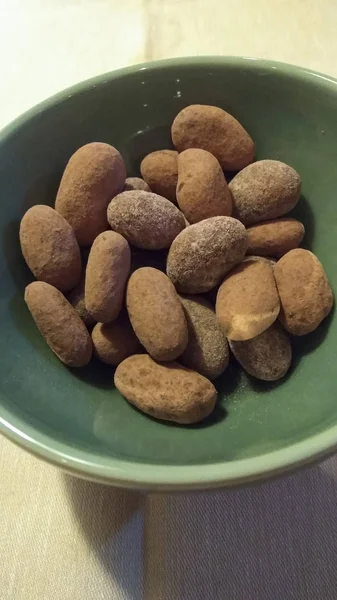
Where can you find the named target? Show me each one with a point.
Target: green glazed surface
(75, 418)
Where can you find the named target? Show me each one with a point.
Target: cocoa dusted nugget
(145, 219)
(275, 238)
(267, 356)
(265, 190)
(114, 342)
(156, 314)
(247, 301)
(305, 293)
(270, 261)
(207, 348)
(136, 183)
(49, 247)
(93, 175)
(214, 130)
(160, 171)
(165, 391)
(202, 254)
(107, 271)
(60, 325)
(202, 190)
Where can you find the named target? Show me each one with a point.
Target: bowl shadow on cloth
(234, 544)
(111, 522)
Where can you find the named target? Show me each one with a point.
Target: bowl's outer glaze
(75, 418)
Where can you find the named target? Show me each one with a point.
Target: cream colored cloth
(65, 539)
(47, 45)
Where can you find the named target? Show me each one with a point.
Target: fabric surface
(64, 538)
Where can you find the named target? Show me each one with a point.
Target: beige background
(66, 539)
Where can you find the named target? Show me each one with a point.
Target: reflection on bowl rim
(135, 475)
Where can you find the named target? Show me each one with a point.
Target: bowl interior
(291, 115)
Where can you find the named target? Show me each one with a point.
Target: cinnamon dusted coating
(214, 130)
(160, 171)
(107, 271)
(59, 324)
(135, 183)
(49, 247)
(145, 219)
(93, 175)
(247, 302)
(165, 391)
(203, 253)
(207, 348)
(202, 190)
(114, 342)
(156, 314)
(275, 238)
(267, 356)
(265, 190)
(305, 293)
(270, 261)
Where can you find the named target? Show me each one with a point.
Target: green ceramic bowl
(75, 418)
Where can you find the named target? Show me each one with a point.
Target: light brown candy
(156, 314)
(275, 238)
(207, 348)
(203, 253)
(59, 324)
(146, 220)
(165, 391)
(135, 183)
(213, 129)
(202, 191)
(49, 247)
(107, 271)
(270, 261)
(114, 342)
(267, 356)
(160, 171)
(265, 190)
(247, 302)
(305, 293)
(93, 175)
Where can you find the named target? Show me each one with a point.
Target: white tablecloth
(62, 538)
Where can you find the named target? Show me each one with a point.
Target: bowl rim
(138, 475)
